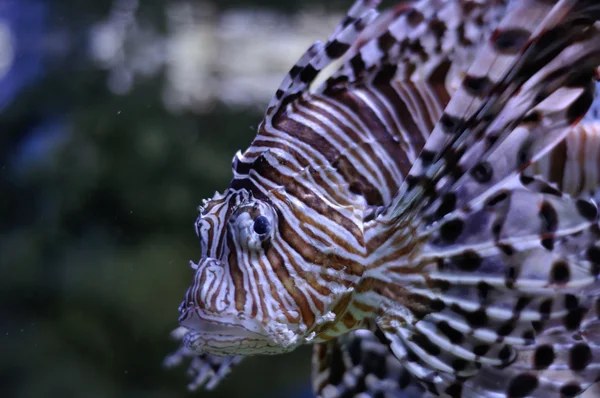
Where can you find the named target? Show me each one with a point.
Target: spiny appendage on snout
(227, 309)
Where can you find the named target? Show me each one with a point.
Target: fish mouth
(223, 336)
(233, 335)
(192, 319)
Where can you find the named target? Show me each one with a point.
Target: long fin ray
(465, 125)
(562, 361)
(360, 365)
(382, 114)
(509, 263)
(205, 370)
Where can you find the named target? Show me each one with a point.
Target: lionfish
(418, 204)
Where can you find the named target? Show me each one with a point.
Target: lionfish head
(231, 306)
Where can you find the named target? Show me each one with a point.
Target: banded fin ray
(382, 115)
(543, 126)
(206, 370)
(563, 361)
(500, 264)
(515, 58)
(360, 364)
(320, 55)
(480, 308)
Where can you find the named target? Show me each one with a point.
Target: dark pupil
(261, 225)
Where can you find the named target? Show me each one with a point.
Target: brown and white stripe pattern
(321, 164)
(321, 168)
(336, 218)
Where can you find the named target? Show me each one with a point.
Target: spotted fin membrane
(509, 264)
(360, 364)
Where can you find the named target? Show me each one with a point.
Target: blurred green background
(117, 117)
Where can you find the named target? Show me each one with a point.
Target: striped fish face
(225, 309)
(264, 284)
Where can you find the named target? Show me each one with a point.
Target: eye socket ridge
(262, 226)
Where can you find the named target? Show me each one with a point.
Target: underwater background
(117, 117)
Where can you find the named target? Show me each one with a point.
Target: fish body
(409, 194)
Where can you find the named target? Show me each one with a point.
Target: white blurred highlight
(236, 57)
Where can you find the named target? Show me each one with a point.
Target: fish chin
(225, 342)
(228, 335)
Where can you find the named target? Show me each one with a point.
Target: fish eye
(262, 226)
